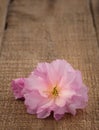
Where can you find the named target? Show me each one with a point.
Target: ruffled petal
(63, 97)
(47, 103)
(46, 71)
(35, 83)
(17, 87)
(58, 116)
(76, 82)
(32, 101)
(78, 101)
(45, 113)
(59, 112)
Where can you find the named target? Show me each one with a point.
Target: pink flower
(53, 87)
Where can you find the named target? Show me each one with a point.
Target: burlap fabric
(44, 30)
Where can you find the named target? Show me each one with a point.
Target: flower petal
(32, 100)
(46, 104)
(63, 97)
(46, 71)
(72, 109)
(58, 116)
(45, 113)
(59, 112)
(76, 82)
(35, 83)
(17, 87)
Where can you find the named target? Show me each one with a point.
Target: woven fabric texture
(44, 30)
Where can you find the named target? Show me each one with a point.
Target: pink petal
(47, 103)
(60, 101)
(58, 116)
(31, 111)
(59, 112)
(76, 82)
(61, 68)
(64, 96)
(67, 78)
(35, 83)
(17, 87)
(78, 101)
(61, 65)
(38, 105)
(83, 91)
(46, 71)
(41, 70)
(45, 113)
(72, 109)
(32, 101)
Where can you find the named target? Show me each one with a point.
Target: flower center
(52, 92)
(55, 92)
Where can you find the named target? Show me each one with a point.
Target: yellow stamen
(55, 91)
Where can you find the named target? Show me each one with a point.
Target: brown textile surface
(95, 10)
(44, 30)
(3, 12)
